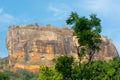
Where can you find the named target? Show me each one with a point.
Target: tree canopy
(87, 31)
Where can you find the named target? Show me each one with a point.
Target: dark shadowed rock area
(31, 45)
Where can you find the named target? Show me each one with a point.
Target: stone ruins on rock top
(30, 46)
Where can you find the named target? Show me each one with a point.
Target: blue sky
(55, 12)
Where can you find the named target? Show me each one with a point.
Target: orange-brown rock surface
(30, 46)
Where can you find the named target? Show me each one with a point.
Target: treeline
(66, 68)
(18, 75)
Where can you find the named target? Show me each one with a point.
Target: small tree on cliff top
(87, 31)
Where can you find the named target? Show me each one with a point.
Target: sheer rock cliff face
(30, 46)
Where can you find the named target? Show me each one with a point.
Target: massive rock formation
(31, 45)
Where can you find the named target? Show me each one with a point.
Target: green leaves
(87, 30)
(4, 76)
(67, 69)
(72, 19)
(101, 70)
(64, 66)
(49, 73)
(19, 75)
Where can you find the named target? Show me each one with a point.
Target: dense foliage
(19, 75)
(49, 73)
(4, 76)
(64, 66)
(95, 70)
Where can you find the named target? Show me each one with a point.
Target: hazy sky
(55, 12)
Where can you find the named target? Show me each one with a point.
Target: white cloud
(59, 11)
(102, 7)
(1, 10)
(7, 19)
(53, 9)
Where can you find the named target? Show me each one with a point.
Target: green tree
(102, 70)
(87, 31)
(21, 75)
(114, 72)
(4, 76)
(49, 73)
(63, 65)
